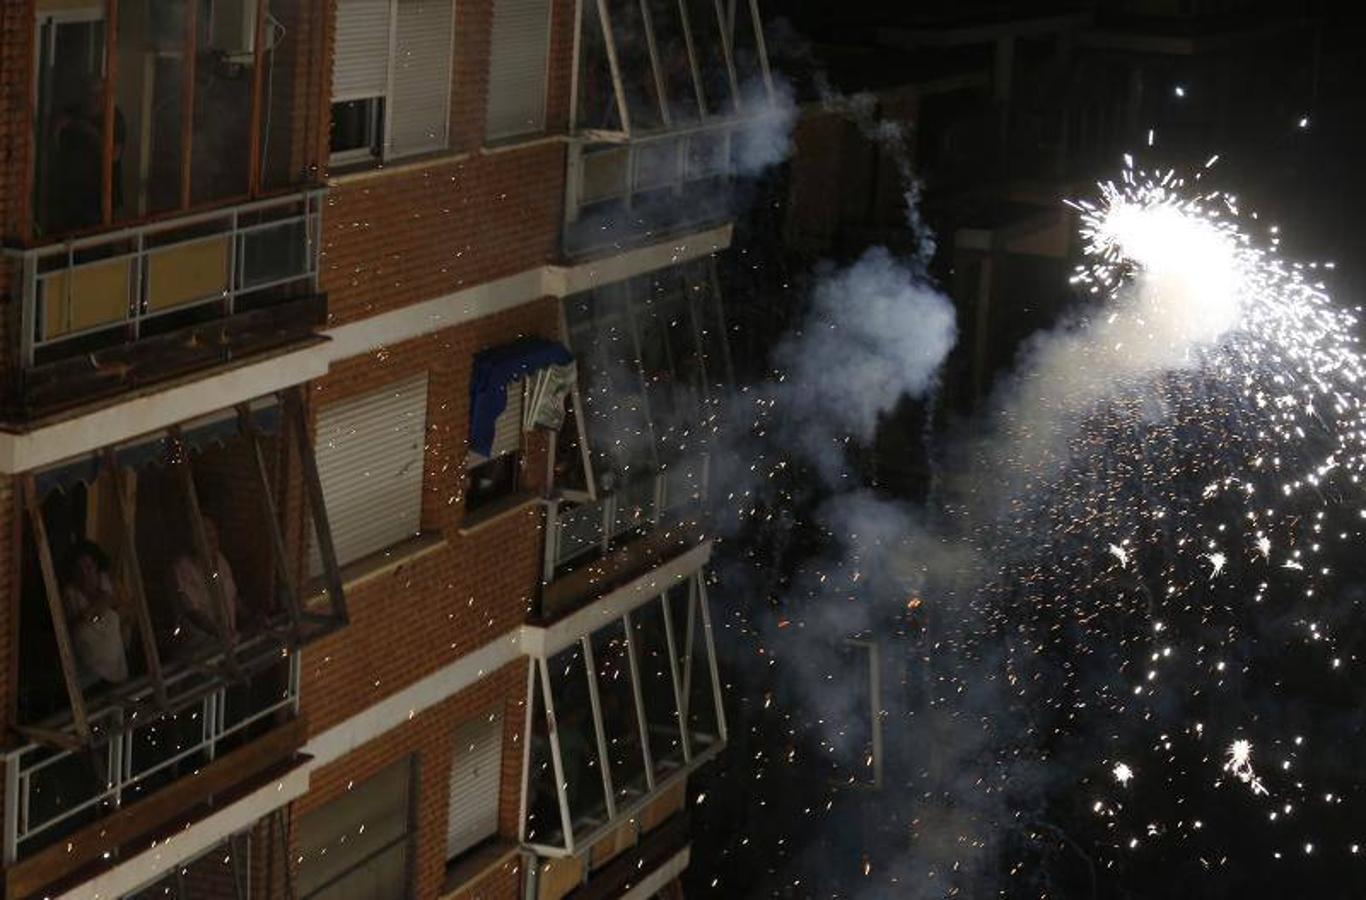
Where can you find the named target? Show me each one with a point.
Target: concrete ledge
(546, 641)
(81, 432)
(185, 845)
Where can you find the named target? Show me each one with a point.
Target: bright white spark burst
(1238, 410)
(1239, 765)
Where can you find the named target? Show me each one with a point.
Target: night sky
(1090, 582)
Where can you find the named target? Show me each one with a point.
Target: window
(156, 111)
(476, 771)
(357, 129)
(517, 68)
(370, 458)
(359, 846)
(391, 77)
(223, 872)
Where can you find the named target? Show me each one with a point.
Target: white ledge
(183, 846)
(465, 305)
(545, 642)
(128, 417)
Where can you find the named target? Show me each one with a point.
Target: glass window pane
(620, 724)
(283, 118)
(222, 873)
(543, 821)
(275, 253)
(355, 835)
(610, 384)
(745, 48)
(69, 131)
(633, 58)
(597, 97)
(220, 152)
(656, 684)
(150, 107)
(711, 58)
(578, 739)
(578, 531)
(679, 86)
(699, 696)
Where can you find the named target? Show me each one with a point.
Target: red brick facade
(400, 235)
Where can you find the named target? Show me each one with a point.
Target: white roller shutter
(475, 776)
(360, 63)
(420, 103)
(369, 452)
(517, 68)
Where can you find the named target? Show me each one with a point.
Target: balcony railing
(49, 792)
(126, 286)
(669, 497)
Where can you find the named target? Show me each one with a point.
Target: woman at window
(99, 631)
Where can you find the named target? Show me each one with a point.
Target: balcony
(160, 619)
(138, 305)
(672, 100)
(51, 793)
(597, 545)
(619, 715)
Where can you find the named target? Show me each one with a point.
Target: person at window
(99, 626)
(195, 599)
(78, 170)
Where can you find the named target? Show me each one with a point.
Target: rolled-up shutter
(360, 63)
(517, 68)
(420, 103)
(369, 452)
(475, 778)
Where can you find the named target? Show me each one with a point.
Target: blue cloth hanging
(494, 369)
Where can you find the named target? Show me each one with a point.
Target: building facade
(359, 362)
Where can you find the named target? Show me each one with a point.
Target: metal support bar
(640, 703)
(132, 568)
(293, 403)
(65, 654)
(604, 763)
(711, 657)
(208, 564)
(673, 676)
(566, 823)
(248, 428)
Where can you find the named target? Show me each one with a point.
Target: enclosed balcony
(139, 305)
(160, 621)
(633, 469)
(618, 716)
(672, 98)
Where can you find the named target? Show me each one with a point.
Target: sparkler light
(1192, 452)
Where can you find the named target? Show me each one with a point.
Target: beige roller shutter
(419, 106)
(360, 63)
(369, 452)
(475, 778)
(517, 68)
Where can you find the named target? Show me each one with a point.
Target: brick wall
(429, 612)
(393, 239)
(429, 737)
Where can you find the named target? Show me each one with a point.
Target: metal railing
(646, 177)
(661, 499)
(121, 281)
(123, 774)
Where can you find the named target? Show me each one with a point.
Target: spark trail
(1172, 483)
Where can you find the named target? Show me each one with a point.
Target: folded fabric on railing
(495, 368)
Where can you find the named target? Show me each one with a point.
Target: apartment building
(358, 364)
